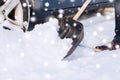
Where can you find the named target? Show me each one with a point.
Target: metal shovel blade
(70, 28)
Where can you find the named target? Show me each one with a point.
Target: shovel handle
(78, 14)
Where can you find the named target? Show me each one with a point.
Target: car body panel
(42, 11)
(58, 4)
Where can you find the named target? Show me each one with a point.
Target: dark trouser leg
(117, 22)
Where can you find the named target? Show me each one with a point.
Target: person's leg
(117, 22)
(116, 40)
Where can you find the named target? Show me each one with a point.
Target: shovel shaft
(78, 14)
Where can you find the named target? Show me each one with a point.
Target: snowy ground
(37, 55)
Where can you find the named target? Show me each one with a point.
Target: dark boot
(111, 46)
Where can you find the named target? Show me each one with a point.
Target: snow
(37, 55)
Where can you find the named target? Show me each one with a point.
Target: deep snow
(37, 55)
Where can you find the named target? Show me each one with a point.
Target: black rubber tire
(26, 13)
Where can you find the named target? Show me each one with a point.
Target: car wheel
(14, 13)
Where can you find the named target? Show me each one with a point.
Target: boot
(111, 46)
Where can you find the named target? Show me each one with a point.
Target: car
(26, 13)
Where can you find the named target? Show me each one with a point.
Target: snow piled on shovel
(45, 42)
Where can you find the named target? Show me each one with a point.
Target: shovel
(71, 28)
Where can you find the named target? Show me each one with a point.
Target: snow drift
(37, 55)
